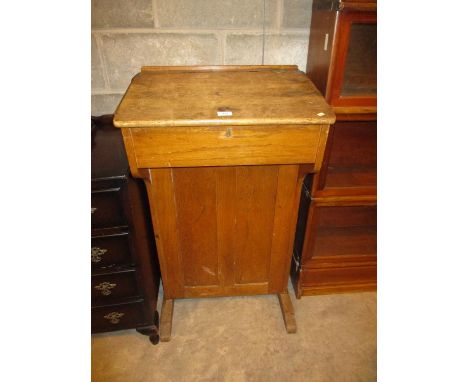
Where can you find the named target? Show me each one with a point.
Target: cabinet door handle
(96, 254)
(93, 210)
(105, 288)
(114, 317)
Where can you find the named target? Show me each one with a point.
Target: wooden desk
(223, 151)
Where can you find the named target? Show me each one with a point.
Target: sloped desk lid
(221, 95)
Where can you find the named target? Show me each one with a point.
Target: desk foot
(165, 326)
(288, 312)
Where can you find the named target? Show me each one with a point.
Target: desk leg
(165, 325)
(288, 312)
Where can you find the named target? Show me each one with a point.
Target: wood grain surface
(224, 230)
(224, 190)
(288, 312)
(224, 146)
(194, 98)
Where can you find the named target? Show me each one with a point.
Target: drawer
(106, 208)
(110, 251)
(341, 231)
(112, 286)
(118, 316)
(351, 157)
(225, 145)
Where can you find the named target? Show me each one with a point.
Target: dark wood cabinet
(124, 269)
(336, 239)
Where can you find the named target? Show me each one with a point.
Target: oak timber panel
(224, 230)
(160, 188)
(226, 223)
(286, 209)
(255, 207)
(195, 195)
(227, 290)
(225, 145)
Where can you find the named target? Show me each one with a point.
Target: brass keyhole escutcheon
(114, 317)
(228, 132)
(105, 288)
(96, 254)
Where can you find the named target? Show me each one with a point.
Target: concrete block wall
(127, 34)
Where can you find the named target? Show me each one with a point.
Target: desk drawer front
(106, 209)
(116, 317)
(112, 286)
(110, 251)
(226, 146)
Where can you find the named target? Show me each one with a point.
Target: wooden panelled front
(196, 205)
(224, 230)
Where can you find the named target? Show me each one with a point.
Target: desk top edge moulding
(223, 151)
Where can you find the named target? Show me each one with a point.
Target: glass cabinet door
(360, 69)
(354, 81)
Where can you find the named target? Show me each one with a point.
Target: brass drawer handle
(93, 209)
(114, 317)
(105, 288)
(96, 254)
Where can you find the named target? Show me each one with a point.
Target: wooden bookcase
(335, 248)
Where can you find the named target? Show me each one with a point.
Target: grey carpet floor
(243, 339)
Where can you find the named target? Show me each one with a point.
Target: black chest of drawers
(124, 270)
